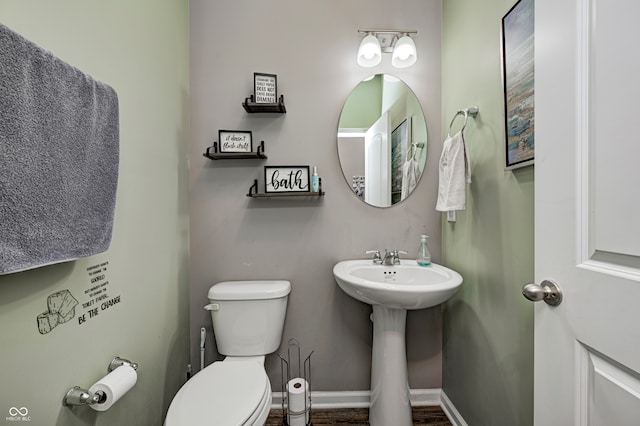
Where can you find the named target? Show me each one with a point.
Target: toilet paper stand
(79, 396)
(297, 374)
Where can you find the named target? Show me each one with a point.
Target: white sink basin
(404, 286)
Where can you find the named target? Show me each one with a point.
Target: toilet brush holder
(296, 386)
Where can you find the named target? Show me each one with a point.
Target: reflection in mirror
(382, 140)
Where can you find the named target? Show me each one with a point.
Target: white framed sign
(265, 88)
(235, 140)
(286, 179)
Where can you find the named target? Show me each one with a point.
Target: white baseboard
(360, 399)
(450, 410)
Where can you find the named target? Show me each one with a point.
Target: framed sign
(235, 140)
(518, 81)
(286, 179)
(265, 88)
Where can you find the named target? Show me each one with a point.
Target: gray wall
(139, 48)
(311, 46)
(488, 326)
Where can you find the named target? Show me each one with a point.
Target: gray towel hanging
(59, 154)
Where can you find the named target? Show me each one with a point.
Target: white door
(587, 212)
(377, 163)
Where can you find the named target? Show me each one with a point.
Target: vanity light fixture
(397, 42)
(369, 52)
(404, 53)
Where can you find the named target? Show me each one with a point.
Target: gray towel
(59, 153)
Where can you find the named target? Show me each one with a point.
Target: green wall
(140, 48)
(363, 106)
(488, 326)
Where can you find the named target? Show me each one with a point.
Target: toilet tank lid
(249, 290)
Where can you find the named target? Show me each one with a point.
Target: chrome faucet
(390, 258)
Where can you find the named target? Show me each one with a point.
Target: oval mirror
(382, 140)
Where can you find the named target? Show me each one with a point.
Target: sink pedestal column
(390, 404)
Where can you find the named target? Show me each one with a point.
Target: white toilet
(248, 319)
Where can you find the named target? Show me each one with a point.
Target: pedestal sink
(392, 290)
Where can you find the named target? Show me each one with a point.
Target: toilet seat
(223, 394)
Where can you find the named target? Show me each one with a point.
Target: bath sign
(286, 179)
(265, 88)
(235, 140)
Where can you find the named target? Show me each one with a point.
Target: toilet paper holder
(294, 368)
(80, 396)
(119, 362)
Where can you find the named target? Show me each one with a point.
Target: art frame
(400, 140)
(518, 84)
(265, 88)
(234, 141)
(286, 179)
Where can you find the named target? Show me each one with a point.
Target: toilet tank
(248, 316)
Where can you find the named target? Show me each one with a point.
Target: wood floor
(433, 416)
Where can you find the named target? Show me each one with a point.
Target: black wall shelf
(252, 107)
(253, 193)
(213, 154)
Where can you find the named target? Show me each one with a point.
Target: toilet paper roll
(298, 415)
(113, 386)
(297, 420)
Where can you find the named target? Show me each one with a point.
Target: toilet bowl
(248, 319)
(224, 393)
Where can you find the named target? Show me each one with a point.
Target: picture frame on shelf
(286, 179)
(235, 141)
(518, 84)
(265, 88)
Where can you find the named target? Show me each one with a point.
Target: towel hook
(471, 111)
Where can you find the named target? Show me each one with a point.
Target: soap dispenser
(423, 258)
(315, 180)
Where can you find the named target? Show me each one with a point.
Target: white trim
(584, 238)
(360, 399)
(613, 270)
(425, 397)
(450, 410)
(324, 399)
(352, 133)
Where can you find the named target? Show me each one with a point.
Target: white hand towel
(410, 177)
(454, 174)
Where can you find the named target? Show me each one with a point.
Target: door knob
(547, 291)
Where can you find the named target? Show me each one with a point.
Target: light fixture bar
(397, 32)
